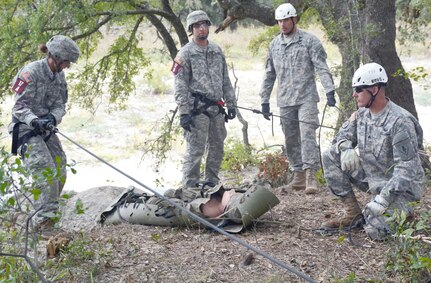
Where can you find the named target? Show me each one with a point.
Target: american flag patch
(176, 67)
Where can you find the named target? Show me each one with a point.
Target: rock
(94, 201)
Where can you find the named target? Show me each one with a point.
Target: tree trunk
(340, 19)
(380, 48)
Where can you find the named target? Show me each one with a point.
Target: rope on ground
(196, 217)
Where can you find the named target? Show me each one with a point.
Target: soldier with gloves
(377, 151)
(293, 59)
(202, 88)
(40, 99)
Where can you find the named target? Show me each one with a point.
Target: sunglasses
(359, 89)
(199, 25)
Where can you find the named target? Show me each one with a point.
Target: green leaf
(36, 193)
(11, 201)
(79, 207)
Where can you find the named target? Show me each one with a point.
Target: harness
(207, 103)
(18, 141)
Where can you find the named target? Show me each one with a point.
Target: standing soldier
(40, 103)
(387, 165)
(294, 57)
(202, 86)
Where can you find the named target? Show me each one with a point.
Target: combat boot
(311, 182)
(298, 182)
(352, 210)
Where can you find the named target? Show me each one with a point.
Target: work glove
(231, 113)
(330, 98)
(349, 159)
(265, 111)
(186, 121)
(40, 125)
(376, 207)
(51, 119)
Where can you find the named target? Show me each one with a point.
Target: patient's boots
(352, 210)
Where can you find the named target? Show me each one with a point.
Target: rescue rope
(194, 216)
(278, 116)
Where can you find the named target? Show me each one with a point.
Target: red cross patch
(21, 82)
(19, 86)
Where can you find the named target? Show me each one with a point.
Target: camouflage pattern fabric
(38, 92)
(390, 164)
(300, 138)
(294, 64)
(202, 70)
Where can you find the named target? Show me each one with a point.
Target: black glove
(265, 111)
(40, 125)
(186, 121)
(231, 113)
(51, 119)
(330, 98)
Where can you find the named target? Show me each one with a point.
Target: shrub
(274, 168)
(237, 156)
(410, 257)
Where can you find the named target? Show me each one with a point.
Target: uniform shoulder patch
(21, 82)
(403, 146)
(351, 119)
(177, 65)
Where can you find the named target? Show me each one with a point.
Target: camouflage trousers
(207, 136)
(300, 138)
(46, 162)
(341, 183)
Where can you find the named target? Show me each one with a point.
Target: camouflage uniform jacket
(294, 65)
(202, 70)
(44, 92)
(388, 148)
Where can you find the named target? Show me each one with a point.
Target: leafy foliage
(18, 192)
(263, 39)
(411, 257)
(237, 156)
(26, 24)
(413, 18)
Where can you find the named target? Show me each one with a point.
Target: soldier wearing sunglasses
(376, 150)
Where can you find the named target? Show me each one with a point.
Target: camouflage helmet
(63, 48)
(195, 17)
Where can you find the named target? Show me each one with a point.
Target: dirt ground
(137, 253)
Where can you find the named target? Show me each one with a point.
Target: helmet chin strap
(373, 97)
(57, 63)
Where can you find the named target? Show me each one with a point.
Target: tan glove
(349, 159)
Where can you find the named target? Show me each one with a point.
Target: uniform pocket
(382, 148)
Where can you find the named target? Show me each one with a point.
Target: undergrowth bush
(83, 256)
(274, 168)
(238, 156)
(18, 191)
(410, 256)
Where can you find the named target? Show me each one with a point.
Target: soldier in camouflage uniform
(386, 163)
(40, 103)
(294, 57)
(202, 86)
